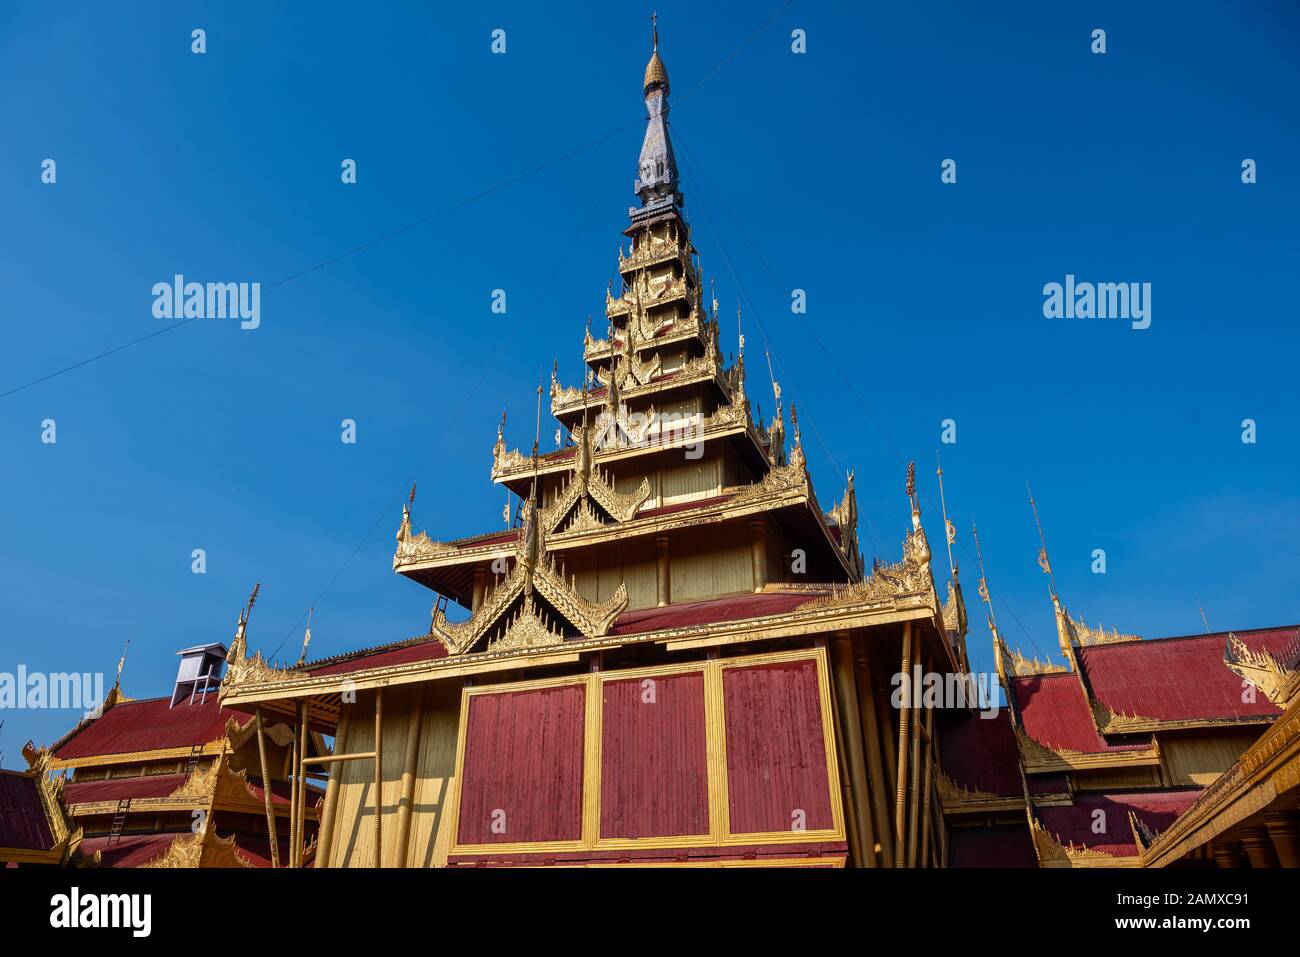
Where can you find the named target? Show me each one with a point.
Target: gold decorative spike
(306, 638)
(1278, 680)
(1043, 561)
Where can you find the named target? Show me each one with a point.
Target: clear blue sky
(225, 166)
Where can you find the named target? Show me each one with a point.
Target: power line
(825, 352)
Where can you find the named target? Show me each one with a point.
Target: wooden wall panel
(354, 828)
(435, 781)
(775, 748)
(523, 767)
(720, 565)
(654, 763)
(1201, 758)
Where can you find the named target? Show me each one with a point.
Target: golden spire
(655, 72)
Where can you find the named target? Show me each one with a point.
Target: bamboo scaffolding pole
(410, 764)
(266, 790)
(846, 697)
(875, 766)
(379, 777)
(925, 789)
(332, 797)
(291, 774)
(300, 836)
(900, 793)
(915, 801)
(850, 812)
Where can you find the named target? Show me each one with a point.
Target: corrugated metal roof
(1180, 679)
(1100, 822)
(149, 725)
(23, 823)
(980, 754)
(1054, 712)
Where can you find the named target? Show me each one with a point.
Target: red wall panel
(776, 750)
(524, 758)
(654, 758)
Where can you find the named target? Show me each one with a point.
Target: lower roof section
(979, 754)
(1182, 679)
(829, 854)
(1100, 822)
(23, 821)
(999, 845)
(140, 727)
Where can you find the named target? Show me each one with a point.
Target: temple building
(673, 653)
(669, 653)
(166, 782)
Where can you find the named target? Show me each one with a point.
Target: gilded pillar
(875, 763)
(1226, 854)
(1284, 829)
(758, 552)
(663, 572)
(846, 700)
(904, 730)
(480, 586)
(1259, 847)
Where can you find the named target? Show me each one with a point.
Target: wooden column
(875, 765)
(1226, 854)
(846, 699)
(758, 552)
(410, 764)
(300, 786)
(1259, 848)
(379, 777)
(926, 787)
(1284, 829)
(292, 776)
(480, 587)
(900, 779)
(332, 791)
(916, 755)
(663, 572)
(266, 789)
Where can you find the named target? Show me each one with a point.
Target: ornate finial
(950, 530)
(656, 76)
(911, 481)
(740, 334)
(410, 499)
(120, 663)
(1043, 560)
(306, 638)
(984, 585)
(252, 599)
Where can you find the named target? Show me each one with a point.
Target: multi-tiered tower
(670, 652)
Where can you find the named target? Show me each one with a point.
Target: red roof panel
(1100, 822)
(1002, 845)
(131, 850)
(730, 608)
(1180, 679)
(430, 650)
(1054, 712)
(23, 823)
(980, 754)
(149, 726)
